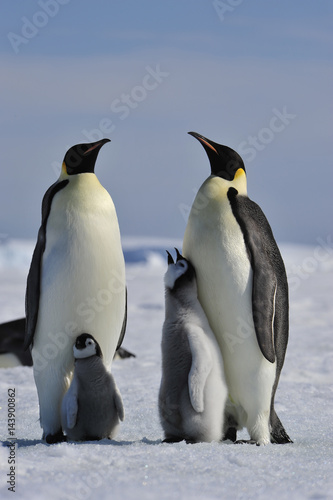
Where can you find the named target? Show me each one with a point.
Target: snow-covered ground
(137, 465)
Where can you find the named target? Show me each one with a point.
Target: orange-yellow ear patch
(239, 173)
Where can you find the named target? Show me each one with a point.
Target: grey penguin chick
(193, 391)
(92, 407)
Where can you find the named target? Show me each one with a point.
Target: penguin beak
(170, 259)
(95, 145)
(204, 141)
(179, 256)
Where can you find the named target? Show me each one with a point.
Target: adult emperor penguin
(243, 289)
(92, 407)
(193, 391)
(76, 281)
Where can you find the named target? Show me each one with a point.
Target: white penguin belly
(83, 273)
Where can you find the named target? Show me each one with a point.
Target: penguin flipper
(71, 409)
(34, 276)
(200, 368)
(267, 266)
(123, 328)
(33, 289)
(119, 404)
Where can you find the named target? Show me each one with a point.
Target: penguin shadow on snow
(26, 443)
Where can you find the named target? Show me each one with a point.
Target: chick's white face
(174, 272)
(86, 350)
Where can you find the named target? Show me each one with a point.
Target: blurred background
(255, 76)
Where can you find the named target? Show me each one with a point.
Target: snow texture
(136, 465)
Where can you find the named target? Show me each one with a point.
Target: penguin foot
(173, 439)
(58, 437)
(231, 434)
(247, 441)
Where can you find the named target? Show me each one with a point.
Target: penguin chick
(193, 392)
(92, 407)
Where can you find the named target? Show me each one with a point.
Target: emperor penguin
(76, 281)
(243, 289)
(193, 391)
(92, 407)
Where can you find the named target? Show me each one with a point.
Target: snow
(136, 465)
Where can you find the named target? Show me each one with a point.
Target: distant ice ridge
(17, 254)
(300, 260)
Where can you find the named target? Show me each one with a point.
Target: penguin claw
(247, 441)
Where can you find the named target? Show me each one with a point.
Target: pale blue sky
(253, 75)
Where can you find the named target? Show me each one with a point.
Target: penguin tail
(278, 433)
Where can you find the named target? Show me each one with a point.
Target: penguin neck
(89, 369)
(185, 299)
(214, 190)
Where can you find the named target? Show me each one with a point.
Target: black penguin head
(224, 161)
(86, 346)
(179, 273)
(81, 158)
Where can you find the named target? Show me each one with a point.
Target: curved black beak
(170, 259)
(179, 256)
